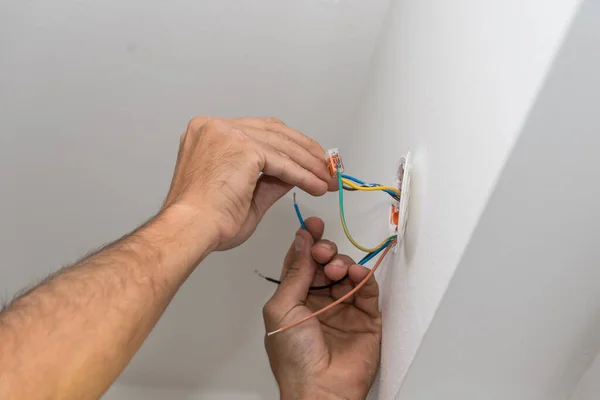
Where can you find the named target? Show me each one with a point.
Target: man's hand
(333, 356)
(218, 172)
(72, 335)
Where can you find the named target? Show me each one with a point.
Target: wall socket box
(399, 209)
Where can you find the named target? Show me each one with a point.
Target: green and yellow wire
(370, 188)
(341, 182)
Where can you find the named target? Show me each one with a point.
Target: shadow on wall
(215, 320)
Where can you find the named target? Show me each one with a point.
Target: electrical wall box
(399, 209)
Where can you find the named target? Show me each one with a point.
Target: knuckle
(211, 125)
(269, 310)
(253, 156)
(196, 123)
(275, 122)
(296, 268)
(316, 146)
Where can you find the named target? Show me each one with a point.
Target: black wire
(331, 284)
(327, 286)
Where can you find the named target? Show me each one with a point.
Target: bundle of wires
(351, 183)
(363, 261)
(346, 179)
(347, 182)
(341, 299)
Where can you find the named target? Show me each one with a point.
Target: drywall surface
(521, 316)
(588, 387)
(452, 82)
(93, 98)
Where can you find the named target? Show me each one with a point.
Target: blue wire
(370, 256)
(366, 258)
(356, 180)
(298, 214)
(363, 261)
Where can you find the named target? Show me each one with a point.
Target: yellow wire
(369, 188)
(345, 227)
(358, 246)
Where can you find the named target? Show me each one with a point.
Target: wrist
(186, 235)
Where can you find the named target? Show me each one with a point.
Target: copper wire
(341, 299)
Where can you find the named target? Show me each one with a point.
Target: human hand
(333, 356)
(218, 178)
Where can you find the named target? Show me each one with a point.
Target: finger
(316, 227)
(337, 268)
(367, 297)
(196, 123)
(343, 262)
(276, 125)
(267, 191)
(289, 147)
(284, 168)
(323, 251)
(299, 273)
(332, 183)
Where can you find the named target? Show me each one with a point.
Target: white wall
(93, 98)
(588, 388)
(521, 317)
(453, 83)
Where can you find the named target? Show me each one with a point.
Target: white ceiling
(93, 97)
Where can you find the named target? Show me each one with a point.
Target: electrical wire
(345, 226)
(303, 226)
(363, 261)
(356, 180)
(299, 214)
(350, 183)
(321, 287)
(341, 299)
(386, 189)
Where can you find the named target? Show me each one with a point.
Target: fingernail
(299, 242)
(337, 262)
(325, 244)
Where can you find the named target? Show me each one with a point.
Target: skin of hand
(333, 356)
(219, 168)
(72, 335)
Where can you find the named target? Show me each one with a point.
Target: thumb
(299, 271)
(268, 190)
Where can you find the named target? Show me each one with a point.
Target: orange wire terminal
(334, 161)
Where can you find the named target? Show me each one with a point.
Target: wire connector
(334, 161)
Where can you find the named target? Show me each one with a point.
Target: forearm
(71, 336)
